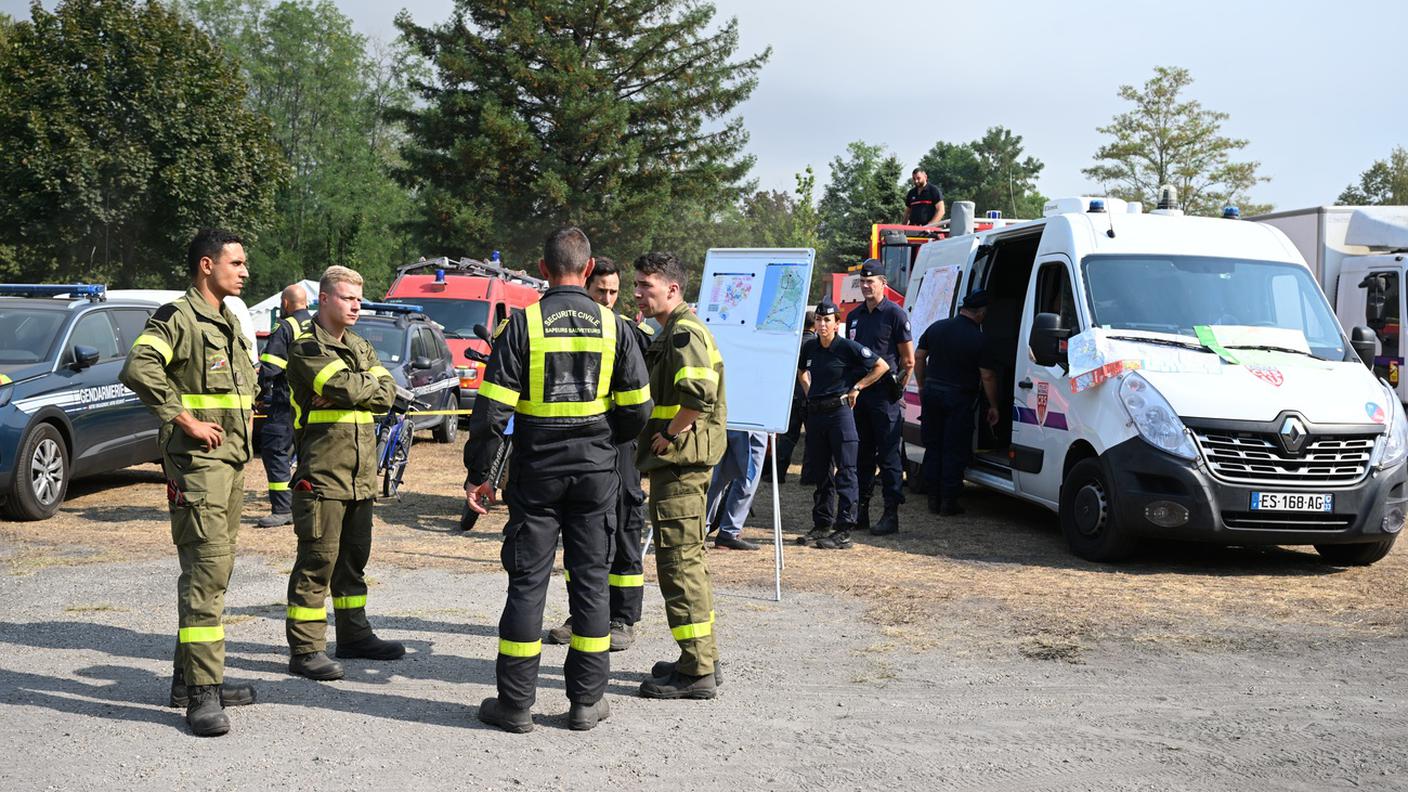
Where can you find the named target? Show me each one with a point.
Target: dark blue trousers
(880, 424)
(946, 423)
(276, 449)
(830, 463)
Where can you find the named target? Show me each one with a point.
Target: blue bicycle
(394, 435)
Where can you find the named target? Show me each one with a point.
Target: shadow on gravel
(130, 693)
(421, 661)
(999, 529)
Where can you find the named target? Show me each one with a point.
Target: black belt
(827, 404)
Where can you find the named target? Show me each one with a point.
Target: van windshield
(458, 317)
(1173, 294)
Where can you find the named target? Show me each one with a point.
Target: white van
(1170, 376)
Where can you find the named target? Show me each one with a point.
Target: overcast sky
(1317, 88)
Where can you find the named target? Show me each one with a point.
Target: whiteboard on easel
(754, 301)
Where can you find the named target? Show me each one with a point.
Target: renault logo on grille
(1293, 435)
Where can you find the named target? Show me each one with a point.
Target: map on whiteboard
(730, 292)
(784, 298)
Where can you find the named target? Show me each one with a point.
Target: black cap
(826, 308)
(976, 300)
(872, 267)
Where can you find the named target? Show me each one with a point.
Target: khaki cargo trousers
(677, 497)
(205, 500)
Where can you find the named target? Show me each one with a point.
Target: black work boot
(950, 508)
(204, 713)
(230, 695)
(518, 721)
(560, 635)
(665, 668)
(815, 535)
(680, 686)
(889, 523)
(315, 665)
(863, 514)
(839, 539)
(622, 636)
(371, 648)
(582, 717)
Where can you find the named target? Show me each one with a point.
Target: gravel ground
(814, 697)
(971, 654)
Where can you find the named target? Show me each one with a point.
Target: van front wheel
(1088, 517)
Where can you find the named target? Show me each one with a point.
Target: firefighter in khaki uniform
(336, 385)
(191, 366)
(681, 443)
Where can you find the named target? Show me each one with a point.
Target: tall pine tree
(614, 116)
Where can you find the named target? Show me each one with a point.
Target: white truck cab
(1170, 376)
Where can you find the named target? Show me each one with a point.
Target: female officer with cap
(833, 371)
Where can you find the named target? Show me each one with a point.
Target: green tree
(613, 116)
(122, 130)
(328, 92)
(1385, 183)
(1166, 139)
(865, 189)
(991, 172)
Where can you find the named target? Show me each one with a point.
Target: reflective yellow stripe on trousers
(625, 581)
(349, 602)
(521, 648)
(201, 634)
(584, 644)
(297, 613)
(685, 632)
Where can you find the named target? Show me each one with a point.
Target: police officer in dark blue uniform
(276, 435)
(883, 327)
(834, 372)
(952, 361)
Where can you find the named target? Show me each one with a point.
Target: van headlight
(1396, 441)
(1154, 417)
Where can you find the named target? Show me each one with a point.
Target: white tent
(262, 313)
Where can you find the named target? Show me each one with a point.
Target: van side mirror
(84, 357)
(483, 333)
(421, 363)
(1048, 340)
(1364, 342)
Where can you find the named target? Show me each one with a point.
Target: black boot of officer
(889, 522)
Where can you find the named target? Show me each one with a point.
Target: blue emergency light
(89, 290)
(994, 214)
(393, 308)
(439, 276)
(1231, 213)
(1097, 205)
(494, 257)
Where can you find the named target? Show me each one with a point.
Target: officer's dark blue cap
(871, 267)
(976, 300)
(826, 308)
